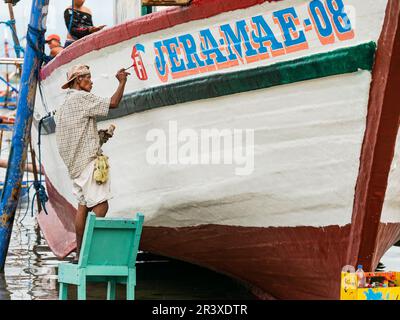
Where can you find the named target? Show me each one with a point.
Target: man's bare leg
(101, 209)
(80, 221)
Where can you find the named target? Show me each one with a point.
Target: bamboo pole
(13, 61)
(23, 123)
(28, 166)
(14, 33)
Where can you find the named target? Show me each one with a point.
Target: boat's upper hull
(294, 208)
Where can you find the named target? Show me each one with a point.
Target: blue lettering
(264, 35)
(317, 10)
(241, 37)
(209, 48)
(339, 16)
(177, 65)
(161, 64)
(288, 20)
(190, 48)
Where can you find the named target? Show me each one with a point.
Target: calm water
(31, 274)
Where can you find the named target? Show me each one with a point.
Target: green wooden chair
(108, 254)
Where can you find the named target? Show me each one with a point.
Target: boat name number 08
(260, 37)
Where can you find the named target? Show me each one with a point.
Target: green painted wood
(117, 224)
(130, 286)
(340, 61)
(109, 251)
(146, 10)
(68, 273)
(82, 285)
(104, 270)
(111, 287)
(140, 220)
(63, 294)
(87, 240)
(82, 291)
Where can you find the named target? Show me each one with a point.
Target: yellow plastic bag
(101, 169)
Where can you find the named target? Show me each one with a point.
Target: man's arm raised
(119, 93)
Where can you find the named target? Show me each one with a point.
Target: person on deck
(78, 142)
(78, 21)
(54, 43)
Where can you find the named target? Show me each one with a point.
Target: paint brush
(129, 67)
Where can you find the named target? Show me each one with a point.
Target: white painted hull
(301, 148)
(303, 141)
(299, 204)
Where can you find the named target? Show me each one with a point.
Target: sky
(102, 14)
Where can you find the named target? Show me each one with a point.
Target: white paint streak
(308, 138)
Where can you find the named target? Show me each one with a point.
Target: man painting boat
(79, 144)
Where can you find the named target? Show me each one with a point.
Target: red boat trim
(379, 144)
(58, 226)
(282, 262)
(275, 262)
(198, 9)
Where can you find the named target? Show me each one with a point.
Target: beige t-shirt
(76, 129)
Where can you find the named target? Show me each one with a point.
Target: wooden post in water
(23, 123)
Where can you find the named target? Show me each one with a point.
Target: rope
(42, 96)
(39, 187)
(39, 48)
(10, 23)
(39, 51)
(9, 84)
(40, 190)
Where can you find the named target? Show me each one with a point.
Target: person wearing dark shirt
(79, 22)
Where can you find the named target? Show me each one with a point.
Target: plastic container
(360, 277)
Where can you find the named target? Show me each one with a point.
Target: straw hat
(74, 72)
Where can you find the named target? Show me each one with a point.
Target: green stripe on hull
(312, 67)
(336, 62)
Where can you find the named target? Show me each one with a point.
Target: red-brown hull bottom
(275, 262)
(280, 263)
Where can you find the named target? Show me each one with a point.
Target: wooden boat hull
(323, 186)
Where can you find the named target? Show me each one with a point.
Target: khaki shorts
(87, 191)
